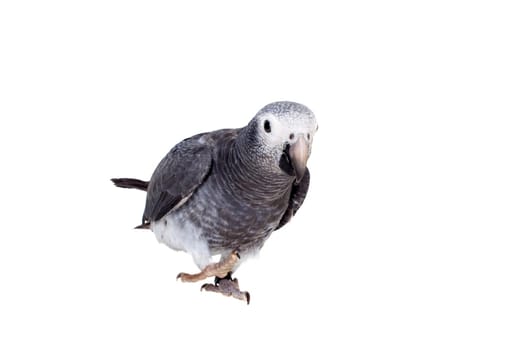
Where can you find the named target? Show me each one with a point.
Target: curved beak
(298, 156)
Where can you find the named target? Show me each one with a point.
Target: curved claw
(186, 277)
(209, 287)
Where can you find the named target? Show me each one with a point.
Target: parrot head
(283, 133)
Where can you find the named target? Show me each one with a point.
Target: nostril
(308, 136)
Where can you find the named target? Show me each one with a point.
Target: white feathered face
(287, 130)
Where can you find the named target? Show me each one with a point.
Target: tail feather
(144, 226)
(131, 183)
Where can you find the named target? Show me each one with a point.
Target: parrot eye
(267, 126)
(292, 136)
(308, 136)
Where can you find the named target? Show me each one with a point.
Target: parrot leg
(220, 269)
(228, 287)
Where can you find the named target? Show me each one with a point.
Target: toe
(207, 287)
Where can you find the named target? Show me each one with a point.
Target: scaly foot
(228, 287)
(220, 269)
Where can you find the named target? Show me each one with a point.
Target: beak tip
(299, 176)
(299, 157)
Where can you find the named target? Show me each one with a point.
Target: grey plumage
(229, 189)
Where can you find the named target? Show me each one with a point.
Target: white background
(412, 236)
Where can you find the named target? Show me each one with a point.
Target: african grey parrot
(224, 192)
